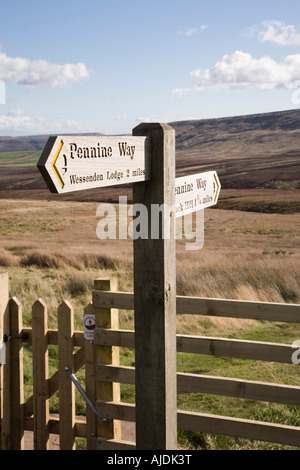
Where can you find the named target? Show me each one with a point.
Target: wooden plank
(214, 385)
(121, 300)
(238, 388)
(269, 311)
(40, 375)
(215, 424)
(80, 425)
(107, 337)
(107, 318)
(16, 376)
(155, 297)
(53, 337)
(111, 373)
(262, 311)
(237, 427)
(90, 383)
(242, 349)
(116, 410)
(66, 386)
(5, 422)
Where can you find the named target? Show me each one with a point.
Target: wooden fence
(103, 373)
(199, 383)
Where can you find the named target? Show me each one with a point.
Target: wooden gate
(73, 352)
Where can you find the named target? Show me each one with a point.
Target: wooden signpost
(71, 163)
(196, 192)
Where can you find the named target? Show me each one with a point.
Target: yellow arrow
(218, 187)
(53, 164)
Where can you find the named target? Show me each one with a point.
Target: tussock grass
(43, 260)
(7, 259)
(232, 276)
(78, 283)
(247, 277)
(55, 277)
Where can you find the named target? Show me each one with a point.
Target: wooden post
(90, 383)
(16, 376)
(4, 371)
(107, 318)
(66, 386)
(40, 375)
(155, 301)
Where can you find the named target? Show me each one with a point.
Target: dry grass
(43, 260)
(249, 256)
(246, 255)
(250, 277)
(265, 278)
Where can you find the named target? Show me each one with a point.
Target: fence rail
(200, 383)
(262, 311)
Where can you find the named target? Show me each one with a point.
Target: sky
(105, 66)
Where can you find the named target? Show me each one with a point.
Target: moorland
(251, 251)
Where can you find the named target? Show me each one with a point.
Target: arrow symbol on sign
(53, 164)
(218, 186)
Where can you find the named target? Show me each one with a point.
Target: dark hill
(251, 152)
(26, 143)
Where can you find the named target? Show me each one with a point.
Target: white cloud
(180, 92)
(148, 119)
(240, 70)
(16, 112)
(276, 32)
(153, 119)
(17, 122)
(188, 32)
(37, 73)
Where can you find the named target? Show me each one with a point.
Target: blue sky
(107, 65)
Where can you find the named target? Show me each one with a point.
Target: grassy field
(51, 251)
(25, 158)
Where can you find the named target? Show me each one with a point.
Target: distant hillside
(26, 143)
(20, 144)
(251, 153)
(260, 150)
(256, 134)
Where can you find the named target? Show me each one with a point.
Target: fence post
(40, 375)
(16, 376)
(90, 381)
(155, 298)
(4, 371)
(66, 386)
(107, 318)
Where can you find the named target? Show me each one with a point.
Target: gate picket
(40, 375)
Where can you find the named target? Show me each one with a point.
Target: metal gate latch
(24, 336)
(81, 390)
